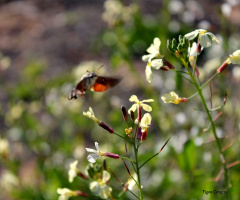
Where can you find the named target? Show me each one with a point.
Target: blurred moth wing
(103, 83)
(92, 81)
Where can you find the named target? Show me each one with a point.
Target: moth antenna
(100, 67)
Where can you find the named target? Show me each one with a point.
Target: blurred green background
(46, 46)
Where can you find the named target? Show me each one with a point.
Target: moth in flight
(91, 81)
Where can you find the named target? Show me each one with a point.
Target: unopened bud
(139, 110)
(144, 135)
(106, 127)
(112, 155)
(139, 133)
(164, 68)
(80, 174)
(124, 112)
(177, 54)
(82, 194)
(132, 116)
(222, 67)
(183, 100)
(199, 48)
(166, 62)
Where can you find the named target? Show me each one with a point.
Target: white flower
(156, 64)
(73, 171)
(172, 97)
(90, 114)
(96, 153)
(65, 193)
(100, 187)
(145, 122)
(138, 103)
(235, 57)
(4, 147)
(205, 38)
(8, 181)
(153, 50)
(131, 184)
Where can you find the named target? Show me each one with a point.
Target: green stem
(199, 90)
(148, 160)
(122, 137)
(127, 159)
(138, 171)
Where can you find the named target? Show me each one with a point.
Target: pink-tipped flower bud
(139, 134)
(106, 127)
(166, 62)
(164, 68)
(222, 67)
(199, 48)
(183, 100)
(80, 174)
(144, 135)
(139, 110)
(82, 194)
(132, 116)
(124, 112)
(111, 155)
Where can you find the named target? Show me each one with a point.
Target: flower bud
(80, 174)
(82, 194)
(222, 67)
(166, 62)
(106, 127)
(199, 48)
(164, 68)
(139, 134)
(124, 112)
(144, 135)
(132, 116)
(139, 110)
(111, 155)
(183, 100)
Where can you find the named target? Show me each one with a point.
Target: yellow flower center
(101, 153)
(202, 33)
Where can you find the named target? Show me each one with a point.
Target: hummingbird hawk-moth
(91, 81)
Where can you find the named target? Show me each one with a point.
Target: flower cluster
(116, 13)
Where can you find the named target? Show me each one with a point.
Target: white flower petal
(205, 41)
(92, 158)
(106, 176)
(95, 187)
(213, 37)
(91, 150)
(157, 43)
(96, 145)
(145, 58)
(133, 98)
(133, 108)
(191, 35)
(149, 74)
(105, 190)
(148, 100)
(152, 50)
(146, 107)
(157, 63)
